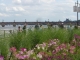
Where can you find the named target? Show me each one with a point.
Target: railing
(5, 33)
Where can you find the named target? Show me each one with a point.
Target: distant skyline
(33, 10)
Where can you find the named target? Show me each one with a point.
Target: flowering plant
(52, 50)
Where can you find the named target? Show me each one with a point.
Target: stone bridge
(34, 23)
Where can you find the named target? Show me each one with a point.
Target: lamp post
(76, 8)
(77, 12)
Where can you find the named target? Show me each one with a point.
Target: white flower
(38, 47)
(39, 55)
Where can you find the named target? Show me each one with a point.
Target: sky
(37, 10)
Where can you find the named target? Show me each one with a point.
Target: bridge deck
(33, 23)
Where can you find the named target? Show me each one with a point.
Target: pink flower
(63, 45)
(57, 49)
(38, 46)
(13, 49)
(54, 52)
(72, 48)
(64, 54)
(71, 51)
(19, 56)
(1, 57)
(26, 56)
(74, 40)
(30, 52)
(21, 52)
(39, 55)
(44, 44)
(53, 42)
(23, 49)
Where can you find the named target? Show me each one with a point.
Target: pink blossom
(23, 49)
(13, 49)
(38, 47)
(54, 52)
(57, 49)
(1, 57)
(21, 52)
(72, 48)
(44, 44)
(19, 56)
(71, 51)
(25, 56)
(63, 45)
(39, 55)
(64, 54)
(30, 52)
(53, 42)
(74, 40)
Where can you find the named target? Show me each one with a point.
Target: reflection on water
(4, 31)
(10, 27)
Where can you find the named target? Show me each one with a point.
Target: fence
(5, 33)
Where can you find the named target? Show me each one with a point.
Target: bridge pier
(3, 25)
(14, 24)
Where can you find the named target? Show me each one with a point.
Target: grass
(31, 38)
(4, 47)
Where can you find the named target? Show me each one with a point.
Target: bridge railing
(5, 33)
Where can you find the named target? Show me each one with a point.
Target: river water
(6, 30)
(10, 27)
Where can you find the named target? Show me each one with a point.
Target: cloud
(70, 1)
(16, 1)
(27, 1)
(21, 9)
(22, 2)
(4, 15)
(7, 9)
(2, 4)
(47, 1)
(32, 2)
(17, 14)
(14, 8)
(33, 9)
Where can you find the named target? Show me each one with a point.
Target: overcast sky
(33, 10)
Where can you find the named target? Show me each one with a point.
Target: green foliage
(15, 39)
(75, 27)
(4, 47)
(32, 38)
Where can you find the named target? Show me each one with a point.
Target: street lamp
(76, 8)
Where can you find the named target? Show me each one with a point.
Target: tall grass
(15, 39)
(31, 38)
(4, 47)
